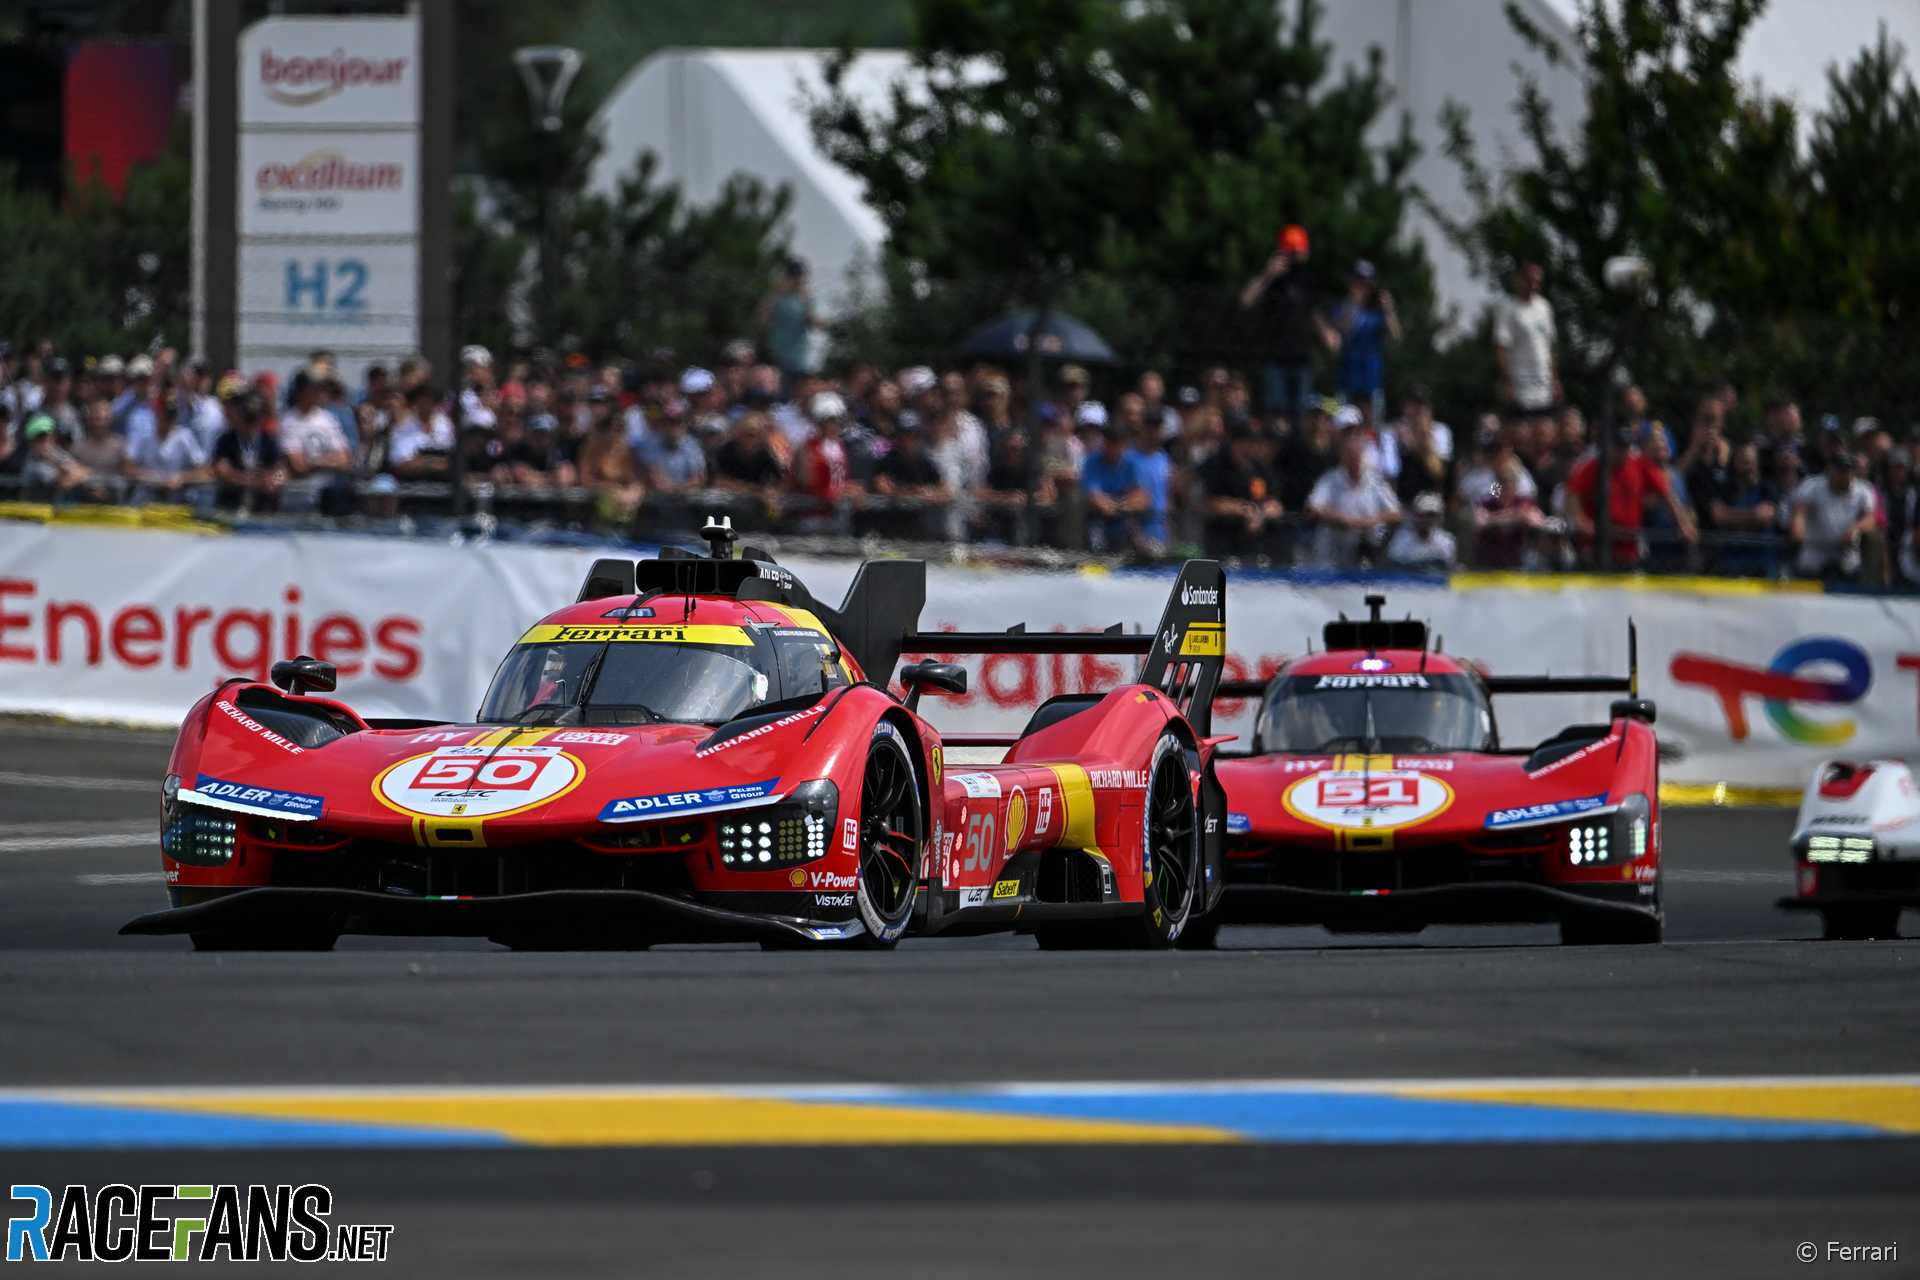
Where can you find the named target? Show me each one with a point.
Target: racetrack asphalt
(1740, 989)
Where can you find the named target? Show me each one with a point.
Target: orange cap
(1292, 238)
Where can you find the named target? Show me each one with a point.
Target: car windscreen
(635, 682)
(1375, 712)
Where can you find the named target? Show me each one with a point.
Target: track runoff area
(1710, 1106)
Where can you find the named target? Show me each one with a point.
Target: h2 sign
(302, 294)
(333, 288)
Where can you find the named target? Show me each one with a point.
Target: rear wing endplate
(1184, 656)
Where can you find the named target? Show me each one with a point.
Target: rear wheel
(1860, 924)
(892, 829)
(311, 938)
(1170, 869)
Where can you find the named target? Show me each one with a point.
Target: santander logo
(300, 82)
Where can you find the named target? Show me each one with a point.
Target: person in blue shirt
(1155, 471)
(1115, 496)
(1363, 324)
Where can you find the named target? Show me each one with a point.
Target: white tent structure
(709, 113)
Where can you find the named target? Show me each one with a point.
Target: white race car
(1857, 847)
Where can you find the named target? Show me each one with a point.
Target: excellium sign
(329, 183)
(330, 71)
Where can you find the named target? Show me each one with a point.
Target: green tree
(101, 274)
(1129, 163)
(1863, 225)
(1674, 161)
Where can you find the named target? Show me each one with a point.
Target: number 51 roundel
(1381, 800)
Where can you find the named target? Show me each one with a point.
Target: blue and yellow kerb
(1377, 1112)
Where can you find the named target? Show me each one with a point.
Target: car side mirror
(1632, 709)
(941, 677)
(305, 675)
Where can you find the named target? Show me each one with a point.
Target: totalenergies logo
(1782, 683)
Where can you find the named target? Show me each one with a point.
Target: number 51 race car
(1379, 798)
(696, 749)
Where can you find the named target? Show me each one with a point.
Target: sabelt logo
(1191, 595)
(300, 82)
(325, 173)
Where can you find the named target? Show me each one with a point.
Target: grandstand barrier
(1755, 681)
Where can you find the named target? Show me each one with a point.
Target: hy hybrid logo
(165, 1222)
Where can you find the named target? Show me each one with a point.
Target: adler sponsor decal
(300, 82)
(639, 808)
(1542, 812)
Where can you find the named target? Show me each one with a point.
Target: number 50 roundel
(478, 782)
(1383, 800)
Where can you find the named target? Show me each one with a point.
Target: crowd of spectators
(961, 454)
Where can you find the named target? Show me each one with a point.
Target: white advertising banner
(322, 293)
(330, 71)
(329, 184)
(1752, 689)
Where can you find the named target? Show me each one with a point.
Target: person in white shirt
(1831, 514)
(316, 449)
(422, 440)
(1523, 337)
(1352, 503)
(1422, 543)
(477, 394)
(171, 461)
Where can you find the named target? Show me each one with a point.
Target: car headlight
(1839, 849)
(198, 836)
(784, 834)
(1612, 839)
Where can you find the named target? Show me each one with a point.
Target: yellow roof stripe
(630, 633)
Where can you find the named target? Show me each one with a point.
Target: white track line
(122, 877)
(99, 840)
(1784, 876)
(65, 782)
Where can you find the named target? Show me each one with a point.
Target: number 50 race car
(1378, 798)
(695, 750)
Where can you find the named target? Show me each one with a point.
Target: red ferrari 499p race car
(1379, 798)
(697, 749)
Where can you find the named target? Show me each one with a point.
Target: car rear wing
(1628, 684)
(1185, 654)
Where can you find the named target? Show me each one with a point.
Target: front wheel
(892, 828)
(1860, 924)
